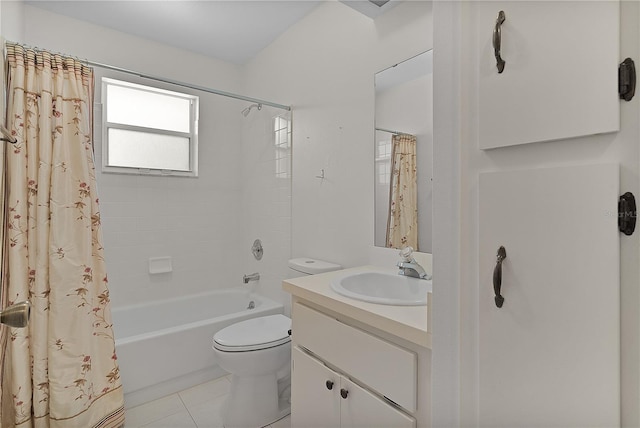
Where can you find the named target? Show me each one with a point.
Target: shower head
(16, 315)
(246, 111)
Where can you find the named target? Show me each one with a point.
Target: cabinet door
(559, 81)
(361, 409)
(313, 404)
(550, 356)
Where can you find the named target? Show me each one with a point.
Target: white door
(323, 398)
(361, 409)
(314, 393)
(549, 357)
(560, 74)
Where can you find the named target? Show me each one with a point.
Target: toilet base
(254, 402)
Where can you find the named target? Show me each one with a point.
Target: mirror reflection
(403, 154)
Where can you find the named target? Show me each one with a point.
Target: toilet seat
(254, 334)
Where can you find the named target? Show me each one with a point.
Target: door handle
(497, 276)
(497, 41)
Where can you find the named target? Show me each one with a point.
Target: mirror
(403, 154)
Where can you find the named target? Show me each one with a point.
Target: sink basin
(383, 288)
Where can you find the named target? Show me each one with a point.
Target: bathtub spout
(251, 277)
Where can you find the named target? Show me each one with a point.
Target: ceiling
(230, 30)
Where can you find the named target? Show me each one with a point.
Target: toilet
(257, 353)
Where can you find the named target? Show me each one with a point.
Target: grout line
(184, 405)
(164, 417)
(187, 409)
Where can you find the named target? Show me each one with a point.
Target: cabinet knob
(344, 393)
(329, 384)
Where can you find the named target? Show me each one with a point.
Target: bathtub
(165, 346)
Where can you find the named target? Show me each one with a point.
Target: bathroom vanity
(354, 363)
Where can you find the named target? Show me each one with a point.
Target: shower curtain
(402, 225)
(62, 370)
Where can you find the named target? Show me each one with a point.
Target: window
(148, 130)
(282, 137)
(383, 161)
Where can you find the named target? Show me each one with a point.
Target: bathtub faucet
(251, 277)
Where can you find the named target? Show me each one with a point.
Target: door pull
(497, 41)
(497, 276)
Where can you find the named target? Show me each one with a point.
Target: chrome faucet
(251, 277)
(409, 266)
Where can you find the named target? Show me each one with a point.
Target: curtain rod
(188, 85)
(391, 132)
(6, 135)
(178, 83)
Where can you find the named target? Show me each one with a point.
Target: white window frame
(192, 135)
(383, 161)
(282, 151)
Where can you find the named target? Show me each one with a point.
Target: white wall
(447, 391)
(12, 20)
(266, 204)
(54, 32)
(195, 221)
(324, 66)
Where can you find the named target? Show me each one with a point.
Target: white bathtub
(165, 346)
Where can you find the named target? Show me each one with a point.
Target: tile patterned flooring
(196, 407)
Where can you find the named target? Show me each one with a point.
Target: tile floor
(197, 407)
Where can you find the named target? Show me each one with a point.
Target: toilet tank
(306, 266)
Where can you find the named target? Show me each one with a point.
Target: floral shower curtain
(402, 226)
(62, 370)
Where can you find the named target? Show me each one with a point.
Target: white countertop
(406, 322)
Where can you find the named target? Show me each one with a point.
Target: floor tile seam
(187, 409)
(167, 415)
(213, 396)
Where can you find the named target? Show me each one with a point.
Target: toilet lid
(253, 334)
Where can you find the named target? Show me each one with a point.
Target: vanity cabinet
(325, 398)
(344, 376)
